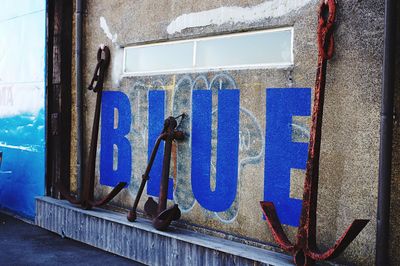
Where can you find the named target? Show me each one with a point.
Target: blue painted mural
(22, 113)
(222, 138)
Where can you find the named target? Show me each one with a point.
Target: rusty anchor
(162, 217)
(96, 85)
(305, 251)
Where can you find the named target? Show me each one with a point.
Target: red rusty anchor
(162, 217)
(96, 85)
(305, 251)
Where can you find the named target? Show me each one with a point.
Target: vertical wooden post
(58, 94)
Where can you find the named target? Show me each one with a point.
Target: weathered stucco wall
(350, 142)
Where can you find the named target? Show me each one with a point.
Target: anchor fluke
(164, 219)
(275, 226)
(150, 207)
(341, 244)
(110, 196)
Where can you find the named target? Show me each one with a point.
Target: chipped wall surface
(235, 14)
(262, 104)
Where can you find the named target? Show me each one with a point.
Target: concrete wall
(350, 142)
(22, 106)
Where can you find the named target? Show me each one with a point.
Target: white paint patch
(235, 14)
(117, 55)
(106, 29)
(117, 65)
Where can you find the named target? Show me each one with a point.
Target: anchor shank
(145, 176)
(153, 155)
(307, 229)
(88, 185)
(97, 86)
(162, 201)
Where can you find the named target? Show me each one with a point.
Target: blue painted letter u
(223, 196)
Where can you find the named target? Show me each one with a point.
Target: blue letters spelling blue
(281, 154)
(227, 149)
(111, 136)
(156, 124)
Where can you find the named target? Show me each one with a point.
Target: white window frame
(195, 69)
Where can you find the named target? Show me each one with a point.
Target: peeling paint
(116, 65)
(118, 53)
(235, 14)
(106, 29)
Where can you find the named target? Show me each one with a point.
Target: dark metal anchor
(162, 217)
(87, 201)
(305, 251)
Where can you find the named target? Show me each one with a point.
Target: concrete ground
(22, 243)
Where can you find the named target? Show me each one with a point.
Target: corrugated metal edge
(139, 241)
